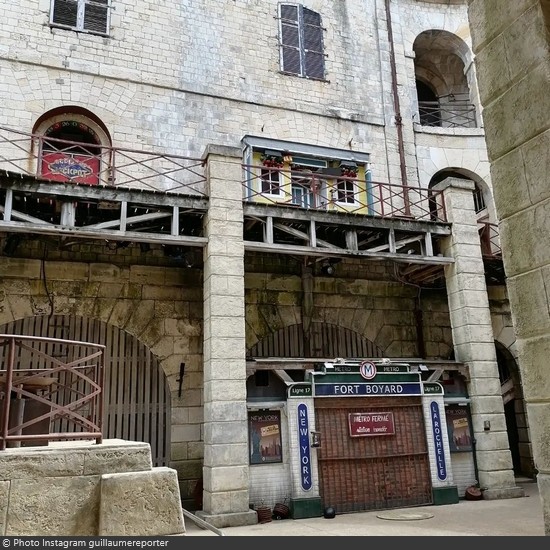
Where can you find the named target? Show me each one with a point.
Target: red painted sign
(372, 423)
(71, 168)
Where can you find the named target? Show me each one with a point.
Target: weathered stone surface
(250, 517)
(141, 504)
(539, 422)
(226, 502)
(4, 493)
(226, 454)
(40, 462)
(536, 382)
(114, 456)
(75, 458)
(543, 481)
(57, 506)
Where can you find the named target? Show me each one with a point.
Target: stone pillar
(511, 44)
(225, 469)
(474, 340)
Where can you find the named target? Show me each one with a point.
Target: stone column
(225, 469)
(474, 340)
(511, 45)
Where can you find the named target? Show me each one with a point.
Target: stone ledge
(236, 519)
(504, 492)
(141, 504)
(74, 458)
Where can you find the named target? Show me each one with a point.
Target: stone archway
(136, 394)
(322, 340)
(515, 412)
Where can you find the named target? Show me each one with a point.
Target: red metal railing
(43, 398)
(278, 186)
(490, 239)
(53, 159)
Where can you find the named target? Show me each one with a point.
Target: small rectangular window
(271, 181)
(345, 191)
(301, 42)
(81, 15)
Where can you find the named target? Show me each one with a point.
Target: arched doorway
(428, 105)
(136, 401)
(515, 413)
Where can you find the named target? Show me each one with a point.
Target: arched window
(74, 147)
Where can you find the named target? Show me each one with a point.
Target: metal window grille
(301, 42)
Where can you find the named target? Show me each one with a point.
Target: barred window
(81, 15)
(301, 42)
(479, 200)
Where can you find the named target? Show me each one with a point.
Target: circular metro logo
(367, 370)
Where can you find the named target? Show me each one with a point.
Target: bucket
(264, 514)
(281, 511)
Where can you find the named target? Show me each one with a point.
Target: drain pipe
(398, 118)
(201, 523)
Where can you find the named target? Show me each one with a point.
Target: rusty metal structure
(44, 398)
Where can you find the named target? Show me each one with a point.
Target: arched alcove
(74, 146)
(322, 341)
(441, 60)
(514, 411)
(136, 402)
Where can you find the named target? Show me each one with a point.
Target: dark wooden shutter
(290, 40)
(313, 44)
(65, 12)
(96, 16)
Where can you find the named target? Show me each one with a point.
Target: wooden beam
(68, 191)
(103, 235)
(253, 246)
(359, 221)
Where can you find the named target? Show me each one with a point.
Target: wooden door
(374, 472)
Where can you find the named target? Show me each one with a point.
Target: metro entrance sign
(367, 370)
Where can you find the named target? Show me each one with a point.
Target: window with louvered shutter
(65, 12)
(301, 42)
(96, 16)
(81, 15)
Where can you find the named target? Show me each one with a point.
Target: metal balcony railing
(490, 240)
(278, 186)
(447, 112)
(80, 163)
(50, 390)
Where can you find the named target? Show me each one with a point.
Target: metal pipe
(201, 523)
(398, 117)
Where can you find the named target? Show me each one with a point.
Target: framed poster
(264, 436)
(458, 428)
